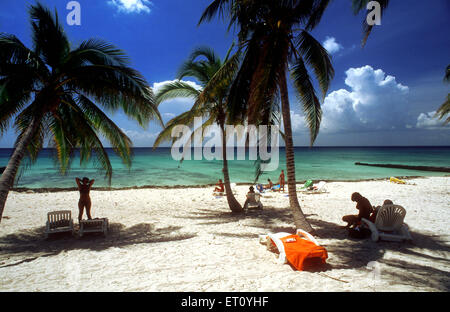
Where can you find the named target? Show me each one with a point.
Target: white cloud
(141, 138)
(132, 6)
(331, 45)
(376, 101)
(430, 121)
(158, 85)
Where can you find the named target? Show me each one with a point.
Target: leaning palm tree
(275, 40)
(444, 109)
(215, 77)
(55, 91)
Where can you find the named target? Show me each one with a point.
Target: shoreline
(199, 186)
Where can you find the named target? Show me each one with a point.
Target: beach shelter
(295, 248)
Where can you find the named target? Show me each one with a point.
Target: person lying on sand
(220, 188)
(373, 216)
(84, 186)
(364, 207)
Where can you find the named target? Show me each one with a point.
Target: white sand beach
(188, 240)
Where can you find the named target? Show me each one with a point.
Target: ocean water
(158, 168)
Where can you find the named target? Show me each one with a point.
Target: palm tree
(444, 110)
(275, 38)
(55, 91)
(215, 77)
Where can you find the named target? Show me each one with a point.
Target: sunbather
(364, 207)
(269, 185)
(373, 216)
(220, 188)
(84, 186)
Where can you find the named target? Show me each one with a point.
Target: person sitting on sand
(375, 210)
(364, 207)
(220, 188)
(269, 185)
(250, 196)
(84, 186)
(281, 180)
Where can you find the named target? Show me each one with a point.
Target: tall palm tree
(55, 91)
(215, 77)
(275, 38)
(444, 109)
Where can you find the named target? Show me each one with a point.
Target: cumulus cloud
(331, 45)
(375, 101)
(158, 85)
(140, 138)
(430, 121)
(132, 6)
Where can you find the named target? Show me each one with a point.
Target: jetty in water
(421, 168)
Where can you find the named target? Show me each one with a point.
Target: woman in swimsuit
(84, 186)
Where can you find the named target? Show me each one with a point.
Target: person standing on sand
(84, 186)
(281, 180)
(220, 188)
(364, 207)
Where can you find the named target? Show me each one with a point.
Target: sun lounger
(389, 224)
(305, 186)
(295, 249)
(59, 222)
(316, 188)
(99, 225)
(253, 201)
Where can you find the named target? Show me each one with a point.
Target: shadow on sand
(31, 244)
(429, 252)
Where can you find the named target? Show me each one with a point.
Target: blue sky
(382, 94)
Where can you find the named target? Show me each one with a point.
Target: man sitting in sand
(84, 186)
(364, 207)
(373, 216)
(269, 185)
(220, 188)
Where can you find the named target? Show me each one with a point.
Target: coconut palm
(54, 91)
(215, 78)
(444, 110)
(275, 39)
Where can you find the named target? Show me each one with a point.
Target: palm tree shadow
(31, 244)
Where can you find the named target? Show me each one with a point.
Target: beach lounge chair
(59, 222)
(305, 186)
(295, 249)
(98, 225)
(316, 188)
(389, 224)
(253, 201)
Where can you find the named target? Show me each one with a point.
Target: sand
(188, 240)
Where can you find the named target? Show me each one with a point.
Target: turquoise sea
(157, 168)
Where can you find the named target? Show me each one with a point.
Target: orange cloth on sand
(298, 249)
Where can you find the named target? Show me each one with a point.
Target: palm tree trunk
(232, 202)
(299, 218)
(8, 176)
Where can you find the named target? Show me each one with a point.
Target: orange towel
(298, 249)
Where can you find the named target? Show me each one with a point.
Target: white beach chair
(317, 188)
(253, 201)
(59, 222)
(389, 224)
(99, 225)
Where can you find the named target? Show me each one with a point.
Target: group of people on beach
(220, 187)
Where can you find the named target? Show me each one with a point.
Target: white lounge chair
(389, 224)
(99, 225)
(59, 222)
(317, 188)
(253, 201)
